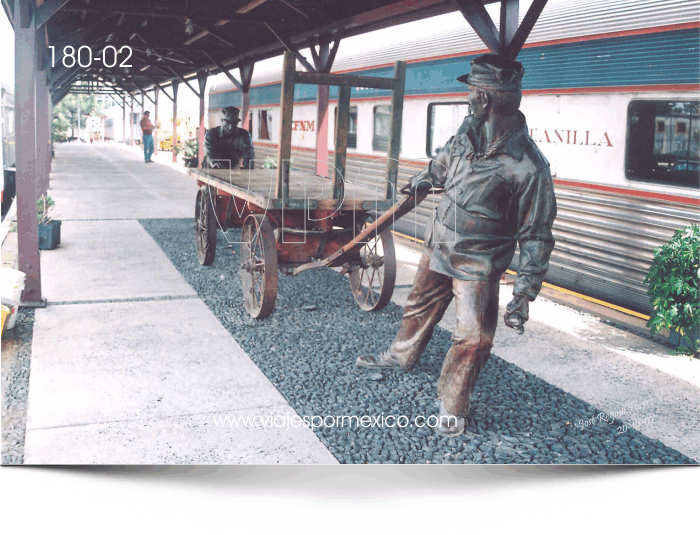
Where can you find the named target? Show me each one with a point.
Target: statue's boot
(449, 425)
(384, 360)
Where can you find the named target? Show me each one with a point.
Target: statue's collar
(512, 143)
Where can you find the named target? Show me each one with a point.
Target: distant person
(147, 128)
(227, 145)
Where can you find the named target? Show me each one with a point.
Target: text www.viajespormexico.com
(286, 421)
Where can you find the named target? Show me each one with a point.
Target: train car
(611, 97)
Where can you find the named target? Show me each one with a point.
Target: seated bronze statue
(227, 146)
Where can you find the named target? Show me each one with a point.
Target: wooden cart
(292, 220)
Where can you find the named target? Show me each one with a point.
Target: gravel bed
(309, 354)
(17, 352)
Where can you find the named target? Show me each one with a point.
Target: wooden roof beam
(242, 11)
(47, 10)
(161, 88)
(292, 49)
(225, 70)
(533, 13)
(479, 19)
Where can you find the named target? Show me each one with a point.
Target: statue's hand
(421, 181)
(517, 313)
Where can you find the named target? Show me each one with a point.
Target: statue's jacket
(495, 197)
(235, 146)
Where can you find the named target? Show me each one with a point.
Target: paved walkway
(130, 366)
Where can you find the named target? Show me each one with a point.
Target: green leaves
(673, 280)
(44, 206)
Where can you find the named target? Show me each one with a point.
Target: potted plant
(49, 229)
(270, 163)
(191, 152)
(673, 288)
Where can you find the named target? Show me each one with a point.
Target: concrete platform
(606, 366)
(100, 260)
(109, 181)
(130, 366)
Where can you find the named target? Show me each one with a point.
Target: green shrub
(270, 163)
(44, 206)
(191, 148)
(673, 285)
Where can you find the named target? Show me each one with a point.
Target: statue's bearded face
(227, 126)
(478, 101)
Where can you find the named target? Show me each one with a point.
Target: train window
(382, 127)
(444, 118)
(663, 142)
(264, 124)
(352, 126)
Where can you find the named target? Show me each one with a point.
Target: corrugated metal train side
(576, 87)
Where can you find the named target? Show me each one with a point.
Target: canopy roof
(176, 39)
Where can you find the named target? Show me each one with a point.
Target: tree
(65, 115)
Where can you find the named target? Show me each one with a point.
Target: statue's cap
(231, 114)
(494, 72)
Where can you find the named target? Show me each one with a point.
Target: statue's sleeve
(210, 140)
(248, 151)
(536, 210)
(435, 172)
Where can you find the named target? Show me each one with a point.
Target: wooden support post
(322, 120)
(176, 145)
(202, 79)
(341, 140)
(50, 105)
(131, 121)
(124, 119)
(25, 151)
(392, 166)
(322, 96)
(245, 110)
(43, 118)
(43, 132)
(155, 122)
(287, 111)
(510, 9)
(246, 78)
(518, 40)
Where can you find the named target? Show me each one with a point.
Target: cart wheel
(205, 229)
(372, 282)
(258, 266)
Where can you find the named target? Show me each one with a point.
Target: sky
(7, 44)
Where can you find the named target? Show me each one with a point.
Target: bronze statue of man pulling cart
(498, 191)
(498, 194)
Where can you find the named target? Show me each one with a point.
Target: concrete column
(25, 151)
